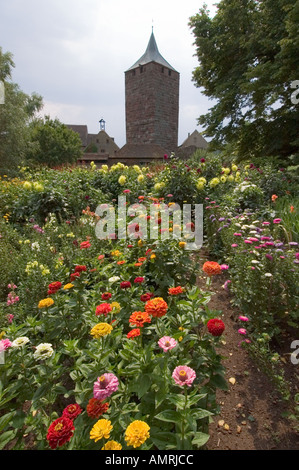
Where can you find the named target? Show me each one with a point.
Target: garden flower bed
(109, 343)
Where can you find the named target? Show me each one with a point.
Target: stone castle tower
(152, 100)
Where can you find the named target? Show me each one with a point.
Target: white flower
(43, 351)
(255, 261)
(268, 275)
(113, 279)
(19, 342)
(35, 246)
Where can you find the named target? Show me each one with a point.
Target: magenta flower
(234, 245)
(276, 221)
(183, 375)
(167, 343)
(242, 331)
(243, 318)
(105, 385)
(5, 344)
(224, 267)
(225, 285)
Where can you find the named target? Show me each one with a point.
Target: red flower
(146, 297)
(103, 309)
(96, 408)
(139, 280)
(125, 285)
(79, 269)
(175, 290)
(60, 432)
(139, 318)
(74, 276)
(156, 307)
(84, 245)
(54, 287)
(72, 411)
(106, 296)
(133, 333)
(216, 326)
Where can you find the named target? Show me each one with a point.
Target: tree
(53, 143)
(248, 62)
(16, 112)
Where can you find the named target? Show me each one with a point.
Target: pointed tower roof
(151, 54)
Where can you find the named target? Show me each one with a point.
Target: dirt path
(251, 415)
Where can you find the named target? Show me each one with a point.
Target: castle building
(152, 107)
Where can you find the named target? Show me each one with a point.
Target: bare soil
(253, 415)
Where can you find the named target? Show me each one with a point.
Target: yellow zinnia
(68, 286)
(112, 445)
(100, 330)
(137, 433)
(182, 244)
(101, 429)
(115, 307)
(45, 303)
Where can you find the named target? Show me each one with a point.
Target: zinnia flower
(156, 307)
(54, 287)
(100, 330)
(242, 331)
(243, 318)
(133, 333)
(125, 285)
(115, 307)
(167, 343)
(146, 297)
(84, 245)
(73, 276)
(105, 385)
(211, 268)
(106, 296)
(20, 342)
(184, 375)
(101, 429)
(68, 286)
(72, 411)
(60, 432)
(103, 309)
(5, 344)
(175, 290)
(139, 280)
(137, 433)
(96, 408)
(45, 303)
(215, 326)
(112, 445)
(139, 318)
(43, 351)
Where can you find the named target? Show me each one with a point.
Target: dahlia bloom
(184, 375)
(156, 307)
(215, 326)
(72, 411)
(96, 408)
(167, 343)
(101, 429)
(105, 385)
(60, 432)
(139, 318)
(211, 268)
(137, 433)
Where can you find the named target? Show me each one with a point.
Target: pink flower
(276, 221)
(167, 343)
(266, 223)
(248, 241)
(243, 318)
(225, 285)
(237, 234)
(5, 344)
(183, 375)
(126, 191)
(234, 245)
(105, 385)
(242, 331)
(224, 267)
(10, 317)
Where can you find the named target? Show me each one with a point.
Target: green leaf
(4, 420)
(165, 440)
(6, 437)
(200, 439)
(171, 416)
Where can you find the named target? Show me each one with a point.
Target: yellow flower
(214, 182)
(140, 178)
(101, 429)
(38, 186)
(68, 286)
(140, 243)
(180, 338)
(112, 445)
(105, 167)
(27, 185)
(182, 244)
(122, 180)
(137, 433)
(223, 179)
(115, 307)
(100, 330)
(234, 167)
(153, 256)
(2, 334)
(45, 303)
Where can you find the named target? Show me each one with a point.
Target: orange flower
(156, 307)
(175, 290)
(274, 197)
(141, 260)
(138, 264)
(139, 318)
(121, 262)
(292, 209)
(133, 333)
(96, 408)
(211, 268)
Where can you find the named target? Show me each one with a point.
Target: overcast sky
(74, 54)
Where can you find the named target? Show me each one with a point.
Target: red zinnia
(125, 285)
(216, 326)
(54, 287)
(72, 411)
(133, 333)
(106, 296)
(146, 297)
(74, 276)
(60, 432)
(139, 280)
(79, 268)
(96, 408)
(85, 244)
(103, 309)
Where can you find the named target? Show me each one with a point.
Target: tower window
(142, 69)
(133, 72)
(169, 72)
(162, 70)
